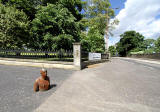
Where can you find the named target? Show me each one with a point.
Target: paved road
(16, 87)
(117, 86)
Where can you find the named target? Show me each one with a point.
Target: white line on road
(142, 60)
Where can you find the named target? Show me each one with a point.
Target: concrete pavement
(116, 86)
(37, 63)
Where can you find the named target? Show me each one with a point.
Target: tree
(64, 25)
(74, 6)
(157, 45)
(130, 40)
(98, 13)
(30, 6)
(27, 6)
(112, 50)
(148, 43)
(93, 42)
(14, 32)
(54, 28)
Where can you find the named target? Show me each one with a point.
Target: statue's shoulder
(37, 80)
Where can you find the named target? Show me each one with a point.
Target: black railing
(104, 55)
(37, 54)
(84, 55)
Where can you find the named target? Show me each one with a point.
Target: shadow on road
(52, 86)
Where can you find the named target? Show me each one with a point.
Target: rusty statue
(43, 82)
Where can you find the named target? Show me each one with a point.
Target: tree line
(40, 24)
(133, 42)
(53, 24)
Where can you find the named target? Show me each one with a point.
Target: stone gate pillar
(77, 55)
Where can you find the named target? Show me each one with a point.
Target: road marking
(142, 60)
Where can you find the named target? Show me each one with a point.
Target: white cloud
(141, 16)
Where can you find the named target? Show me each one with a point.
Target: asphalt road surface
(122, 85)
(135, 85)
(16, 87)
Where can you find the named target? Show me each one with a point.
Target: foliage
(27, 6)
(74, 6)
(148, 43)
(149, 51)
(130, 40)
(147, 47)
(54, 26)
(157, 45)
(146, 51)
(138, 52)
(30, 6)
(112, 50)
(98, 13)
(14, 24)
(93, 42)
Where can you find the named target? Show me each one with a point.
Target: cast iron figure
(42, 83)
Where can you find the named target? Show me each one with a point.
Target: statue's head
(43, 73)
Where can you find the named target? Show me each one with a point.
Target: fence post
(77, 55)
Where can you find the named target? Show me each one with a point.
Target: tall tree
(157, 45)
(14, 32)
(27, 6)
(56, 22)
(148, 43)
(98, 13)
(129, 41)
(93, 41)
(74, 6)
(112, 50)
(54, 28)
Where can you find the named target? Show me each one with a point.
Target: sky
(143, 16)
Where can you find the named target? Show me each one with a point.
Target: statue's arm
(48, 79)
(36, 86)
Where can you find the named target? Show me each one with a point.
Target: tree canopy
(130, 40)
(96, 16)
(74, 6)
(93, 41)
(149, 43)
(98, 13)
(27, 6)
(157, 45)
(51, 24)
(14, 28)
(54, 25)
(112, 50)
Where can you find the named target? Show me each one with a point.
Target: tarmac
(16, 87)
(122, 85)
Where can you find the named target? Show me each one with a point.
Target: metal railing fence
(36, 54)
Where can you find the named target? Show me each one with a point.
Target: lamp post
(107, 30)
